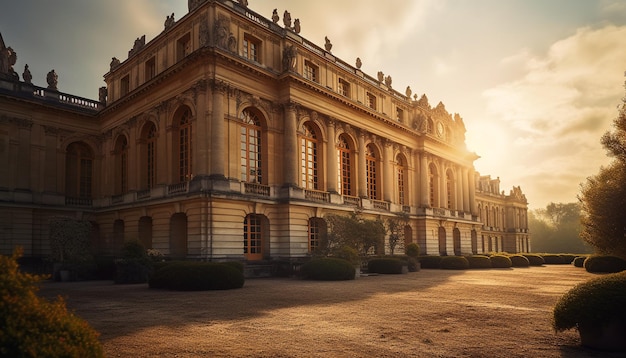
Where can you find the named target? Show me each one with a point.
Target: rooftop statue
(114, 63)
(358, 63)
(8, 58)
(26, 75)
(296, 26)
(53, 80)
(287, 19)
(328, 46)
(275, 17)
(169, 22)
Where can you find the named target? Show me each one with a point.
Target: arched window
(150, 155)
(253, 237)
(178, 235)
(250, 147)
(344, 157)
(371, 164)
(449, 189)
(317, 233)
(433, 184)
(121, 165)
(401, 179)
(308, 158)
(183, 144)
(78, 171)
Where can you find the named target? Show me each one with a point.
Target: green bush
(135, 266)
(454, 263)
(236, 264)
(31, 326)
(349, 254)
(413, 264)
(196, 276)
(327, 269)
(579, 261)
(568, 258)
(519, 261)
(479, 261)
(412, 250)
(595, 302)
(553, 259)
(430, 262)
(534, 259)
(500, 261)
(386, 265)
(604, 264)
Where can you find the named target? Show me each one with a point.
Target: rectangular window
(150, 69)
(251, 48)
(183, 47)
(343, 88)
(371, 101)
(399, 115)
(125, 85)
(310, 71)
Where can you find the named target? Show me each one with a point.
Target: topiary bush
(327, 269)
(479, 261)
(412, 250)
(579, 261)
(592, 306)
(385, 265)
(454, 263)
(196, 276)
(534, 259)
(31, 326)
(604, 264)
(135, 266)
(430, 262)
(519, 261)
(500, 261)
(553, 259)
(568, 258)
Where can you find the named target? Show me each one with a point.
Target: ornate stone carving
(194, 4)
(53, 80)
(358, 63)
(287, 19)
(243, 3)
(204, 34)
(27, 76)
(169, 22)
(140, 42)
(222, 30)
(289, 57)
(408, 91)
(296, 26)
(381, 76)
(327, 44)
(8, 58)
(388, 81)
(102, 95)
(114, 63)
(275, 17)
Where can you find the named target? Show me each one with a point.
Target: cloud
(557, 111)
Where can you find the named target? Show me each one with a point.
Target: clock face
(440, 129)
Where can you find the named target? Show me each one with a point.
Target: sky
(537, 82)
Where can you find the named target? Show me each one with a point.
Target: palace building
(230, 136)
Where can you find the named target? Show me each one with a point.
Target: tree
(603, 196)
(557, 229)
(363, 235)
(395, 226)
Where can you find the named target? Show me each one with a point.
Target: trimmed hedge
(454, 263)
(385, 265)
(519, 261)
(534, 259)
(568, 258)
(196, 276)
(592, 303)
(31, 326)
(430, 262)
(479, 261)
(327, 269)
(579, 261)
(500, 261)
(604, 264)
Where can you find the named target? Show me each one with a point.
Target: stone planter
(608, 337)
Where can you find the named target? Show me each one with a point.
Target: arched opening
(182, 145)
(456, 241)
(443, 251)
(345, 155)
(474, 242)
(255, 237)
(145, 231)
(148, 155)
(372, 172)
(252, 147)
(401, 179)
(178, 235)
(309, 157)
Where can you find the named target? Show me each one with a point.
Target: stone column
(466, 190)
(291, 146)
(387, 171)
(218, 132)
(459, 189)
(472, 192)
(424, 177)
(443, 190)
(362, 172)
(201, 136)
(331, 159)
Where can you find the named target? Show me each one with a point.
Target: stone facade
(228, 136)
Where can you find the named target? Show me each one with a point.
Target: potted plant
(597, 308)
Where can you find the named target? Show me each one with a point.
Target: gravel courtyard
(431, 313)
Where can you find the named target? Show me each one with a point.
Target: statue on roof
(275, 17)
(26, 75)
(114, 63)
(8, 58)
(296, 26)
(358, 63)
(287, 19)
(169, 22)
(53, 80)
(328, 45)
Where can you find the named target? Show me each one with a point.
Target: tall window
(150, 164)
(343, 87)
(78, 171)
(370, 101)
(183, 47)
(370, 166)
(253, 237)
(150, 69)
(317, 230)
(308, 157)
(251, 48)
(449, 189)
(400, 172)
(125, 85)
(432, 184)
(399, 115)
(310, 71)
(184, 145)
(250, 147)
(121, 163)
(344, 157)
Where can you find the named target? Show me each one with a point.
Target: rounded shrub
(568, 258)
(479, 261)
(135, 266)
(604, 264)
(454, 263)
(412, 250)
(385, 265)
(553, 259)
(196, 276)
(500, 261)
(236, 264)
(327, 269)
(579, 261)
(519, 261)
(430, 262)
(534, 259)
(31, 326)
(592, 303)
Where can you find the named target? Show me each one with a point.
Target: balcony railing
(257, 189)
(78, 201)
(178, 188)
(317, 195)
(381, 205)
(352, 200)
(143, 194)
